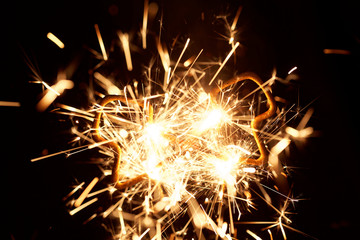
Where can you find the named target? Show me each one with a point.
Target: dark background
(273, 34)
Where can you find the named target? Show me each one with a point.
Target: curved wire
(255, 123)
(255, 126)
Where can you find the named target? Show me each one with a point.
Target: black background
(279, 34)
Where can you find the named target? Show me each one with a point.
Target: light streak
(108, 189)
(181, 54)
(336, 51)
(54, 91)
(145, 22)
(84, 194)
(124, 38)
(164, 56)
(236, 18)
(292, 70)
(270, 234)
(57, 153)
(253, 235)
(9, 104)
(303, 133)
(73, 191)
(110, 88)
(144, 233)
(55, 40)
(224, 62)
(101, 42)
(81, 207)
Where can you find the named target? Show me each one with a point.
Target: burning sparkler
(181, 157)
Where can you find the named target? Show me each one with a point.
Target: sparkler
(181, 159)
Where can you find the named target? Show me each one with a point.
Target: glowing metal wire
(255, 123)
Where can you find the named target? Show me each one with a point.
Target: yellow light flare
(55, 40)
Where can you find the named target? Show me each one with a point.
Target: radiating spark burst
(182, 160)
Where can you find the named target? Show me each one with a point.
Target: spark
(189, 61)
(9, 104)
(84, 194)
(292, 70)
(224, 62)
(54, 91)
(81, 207)
(55, 40)
(73, 191)
(236, 18)
(113, 207)
(270, 234)
(57, 153)
(303, 133)
(145, 22)
(144, 233)
(249, 169)
(164, 56)
(336, 51)
(108, 189)
(211, 120)
(110, 88)
(253, 234)
(124, 38)
(101, 42)
(181, 54)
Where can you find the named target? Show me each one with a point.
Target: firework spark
(55, 40)
(184, 158)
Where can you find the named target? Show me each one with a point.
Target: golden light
(124, 39)
(101, 42)
(211, 120)
(178, 141)
(55, 40)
